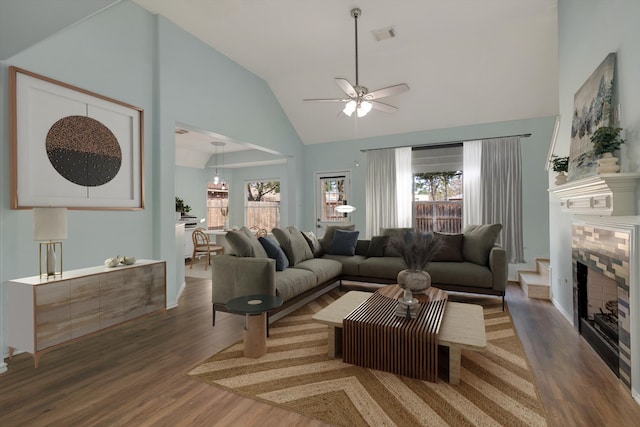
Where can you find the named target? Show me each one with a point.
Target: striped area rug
(497, 386)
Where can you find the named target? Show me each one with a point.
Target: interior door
(332, 189)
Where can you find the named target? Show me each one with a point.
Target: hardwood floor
(134, 374)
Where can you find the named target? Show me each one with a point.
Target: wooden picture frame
(73, 148)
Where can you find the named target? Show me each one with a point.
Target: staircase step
(543, 266)
(535, 285)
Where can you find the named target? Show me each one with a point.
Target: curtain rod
(438, 144)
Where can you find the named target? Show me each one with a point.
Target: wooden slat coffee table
(462, 326)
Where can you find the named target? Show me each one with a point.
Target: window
(217, 205)
(262, 204)
(438, 190)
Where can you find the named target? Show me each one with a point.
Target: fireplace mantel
(609, 194)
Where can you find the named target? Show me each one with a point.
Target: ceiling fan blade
(325, 100)
(386, 91)
(346, 87)
(381, 106)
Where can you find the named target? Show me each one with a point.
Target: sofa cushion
(478, 241)
(462, 274)
(452, 249)
(324, 269)
(350, 264)
(344, 242)
(258, 250)
(294, 281)
(328, 235)
(377, 246)
(394, 232)
(240, 243)
(314, 243)
(274, 251)
(383, 268)
(293, 244)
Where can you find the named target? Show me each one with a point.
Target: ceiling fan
(359, 99)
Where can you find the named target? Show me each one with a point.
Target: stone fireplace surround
(608, 250)
(605, 239)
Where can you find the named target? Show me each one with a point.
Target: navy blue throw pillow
(344, 242)
(274, 251)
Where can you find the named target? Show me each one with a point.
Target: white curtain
(472, 183)
(404, 183)
(381, 191)
(494, 196)
(389, 189)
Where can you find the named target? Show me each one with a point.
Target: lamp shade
(49, 223)
(345, 209)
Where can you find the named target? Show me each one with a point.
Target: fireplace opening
(597, 304)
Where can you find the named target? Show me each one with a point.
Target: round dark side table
(255, 307)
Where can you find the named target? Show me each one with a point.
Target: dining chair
(202, 245)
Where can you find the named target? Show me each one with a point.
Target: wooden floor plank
(134, 374)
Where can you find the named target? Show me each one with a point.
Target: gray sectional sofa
(300, 268)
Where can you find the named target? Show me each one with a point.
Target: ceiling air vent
(384, 33)
(181, 131)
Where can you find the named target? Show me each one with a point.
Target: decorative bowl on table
(128, 260)
(112, 262)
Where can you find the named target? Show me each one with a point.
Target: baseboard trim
(180, 291)
(561, 310)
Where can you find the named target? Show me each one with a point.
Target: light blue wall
(343, 155)
(191, 186)
(131, 55)
(588, 31)
(110, 54)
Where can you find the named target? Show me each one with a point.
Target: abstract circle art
(83, 151)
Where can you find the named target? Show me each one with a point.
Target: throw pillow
(394, 232)
(377, 246)
(293, 243)
(452, 249)
(344, 242)
(274, 251)
(328, 235)
(240, 243)
(478, 241)
(313, 242)
(258, 250)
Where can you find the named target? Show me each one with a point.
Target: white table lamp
(50, 225)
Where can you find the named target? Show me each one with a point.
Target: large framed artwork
(73, 148)
(591, 110)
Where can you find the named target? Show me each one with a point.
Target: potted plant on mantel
(606, 140)
(561, 166)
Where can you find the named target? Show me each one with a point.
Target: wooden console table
(44, 314)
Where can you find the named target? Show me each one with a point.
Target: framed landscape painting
(591, 110)
(73, 148)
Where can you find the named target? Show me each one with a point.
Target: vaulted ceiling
(466, 61)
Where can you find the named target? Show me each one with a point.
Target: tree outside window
(262, 204)
(438, 201)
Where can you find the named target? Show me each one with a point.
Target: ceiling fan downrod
(355, 13)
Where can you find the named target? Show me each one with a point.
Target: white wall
(588, 31)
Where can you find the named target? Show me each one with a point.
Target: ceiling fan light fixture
(364, 108)
(350, 108)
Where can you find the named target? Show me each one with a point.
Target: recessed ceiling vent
(180, 131)
(384, 33)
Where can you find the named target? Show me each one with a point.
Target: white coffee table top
(334, 313)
